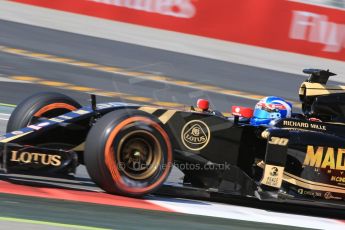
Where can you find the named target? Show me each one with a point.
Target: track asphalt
(77, 81)
(110, 217)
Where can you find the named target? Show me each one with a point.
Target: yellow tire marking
(206, 87)
(231, 92)
(259, 97)
(85, 64)
(39, 55)
(134, 74)
(168, 104)
(53, 83)
(15, 51)
(135, 98)
(61, 60)
(183, 83)
(81, 88)
(157, 78)
(108, 69)
(109, 94)
(26, 78)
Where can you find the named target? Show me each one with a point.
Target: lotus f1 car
(129, 149)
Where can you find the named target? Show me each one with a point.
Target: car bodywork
(296, 158)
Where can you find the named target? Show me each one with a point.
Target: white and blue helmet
(269, 109)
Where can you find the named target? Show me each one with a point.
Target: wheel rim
(139, 155)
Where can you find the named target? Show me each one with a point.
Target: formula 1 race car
(129, 149)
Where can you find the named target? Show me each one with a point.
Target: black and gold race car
(129, 149)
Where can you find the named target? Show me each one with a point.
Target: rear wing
(318, 75)
(315, 86)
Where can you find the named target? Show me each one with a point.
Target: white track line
(5, 79)
(5, 114)
(247, 214)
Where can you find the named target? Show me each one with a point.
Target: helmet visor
(263, 114)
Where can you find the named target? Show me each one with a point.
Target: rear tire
(46, 104)
(128, 152)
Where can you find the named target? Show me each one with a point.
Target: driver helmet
(270, 109)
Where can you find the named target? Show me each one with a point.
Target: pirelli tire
(44, 104)
(128, 152)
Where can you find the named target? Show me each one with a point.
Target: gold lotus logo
(195, 135)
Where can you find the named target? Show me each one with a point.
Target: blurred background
(168, 52)
(164, 53)
(335, 3)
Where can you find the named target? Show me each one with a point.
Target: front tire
(128, 152)
(47, 104)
